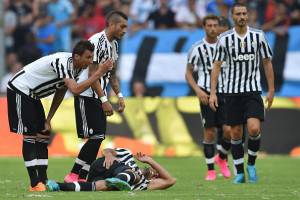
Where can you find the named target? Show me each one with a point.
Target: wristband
(103, 99)
(120, 95)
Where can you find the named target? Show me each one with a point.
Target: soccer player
(243, 48)
(92, 106)
(50, 74)
(117, 170)
(201, 58)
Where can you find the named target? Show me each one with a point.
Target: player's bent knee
(254, 130)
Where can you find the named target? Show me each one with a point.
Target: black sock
(253, 147)
(29, 156)
(238, 155)
(42, 158)
(209, 152)
(77, 186)
(127, 176)
(224, 148)
(88, 153)
(84, 171)
(77, 166)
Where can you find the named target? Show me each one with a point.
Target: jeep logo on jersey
(244, 57)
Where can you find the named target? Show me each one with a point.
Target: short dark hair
(210, 17)
(114, 16)
(237, 5)
(82, 46)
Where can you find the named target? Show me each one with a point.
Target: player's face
(150, 173)
(120, 29)
(211, 28)
(85, 59)
(240, 16)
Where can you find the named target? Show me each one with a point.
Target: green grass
(279, 179)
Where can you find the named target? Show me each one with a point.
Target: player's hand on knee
(213, 102)
(109, 160)
(107, 109)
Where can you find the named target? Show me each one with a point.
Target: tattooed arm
(106, 106)
(114, 82)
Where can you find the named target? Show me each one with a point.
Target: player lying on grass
(117, 170)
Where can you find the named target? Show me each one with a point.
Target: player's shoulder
(226, 33)
(97, 36)
(197, 44)
(255, 30)
(62, 56)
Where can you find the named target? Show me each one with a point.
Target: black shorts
(90, 118)
(25, 115)
(241, 108)
(98, 172)
(211, 118)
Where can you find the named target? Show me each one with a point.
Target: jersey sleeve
(115, 50)
(97, 51)
(62, 68)
(193, 56)
(220, 52)
(265, 50)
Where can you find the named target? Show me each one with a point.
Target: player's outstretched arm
(268, 67)
(106, 106)
(213, 100)
(78, 88)
(164, 179)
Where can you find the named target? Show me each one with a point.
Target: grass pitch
(279, 179)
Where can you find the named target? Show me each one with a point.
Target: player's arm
(114, 82)
(57, 99)
(203, 97)
(110, 157)
(266, 54)
(106, 106)
(268, 67)
(78, 88)
(213, 100)
(164, 179)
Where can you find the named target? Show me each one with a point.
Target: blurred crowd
(34, 28)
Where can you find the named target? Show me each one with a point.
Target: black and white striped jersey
(201, 57)
(243, 55)
(44, 76)
(104, 49)
(125, 156)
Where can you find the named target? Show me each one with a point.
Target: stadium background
(164, 119)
